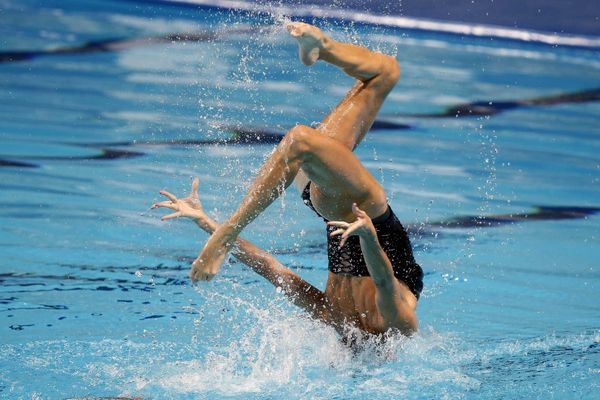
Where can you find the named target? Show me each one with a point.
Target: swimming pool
(488, 150)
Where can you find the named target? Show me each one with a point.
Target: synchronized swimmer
(374, 281)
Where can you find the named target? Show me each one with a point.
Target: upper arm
(397, 306)
(395, 302)
(299, 291)
(307, 296)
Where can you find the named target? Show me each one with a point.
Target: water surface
(105, 103)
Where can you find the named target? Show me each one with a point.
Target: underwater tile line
(540, 213)
(120, 44)
(493, 107)
(257, 136)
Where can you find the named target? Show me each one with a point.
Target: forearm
(300, 292)
(389, 299)
(254, 257)
(378, 263)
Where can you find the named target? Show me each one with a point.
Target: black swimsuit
(392, 238)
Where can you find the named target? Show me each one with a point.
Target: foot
(208, 263)
(311, 40)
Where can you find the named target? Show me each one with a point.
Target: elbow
(411, 327)
(406, 325)
(281, 276)
(397, 313)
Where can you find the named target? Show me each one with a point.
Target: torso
(340, 209)
(355, 298)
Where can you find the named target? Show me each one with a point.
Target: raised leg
(324, 155)
(377, 74)
(327, 162)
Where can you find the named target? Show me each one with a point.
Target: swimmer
(374, 281)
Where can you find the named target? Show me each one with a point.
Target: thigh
(339, 179)
(351, 119)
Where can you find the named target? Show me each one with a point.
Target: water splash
(256, 347)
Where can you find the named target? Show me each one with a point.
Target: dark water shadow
(493, 107)
(120, 44)
(540, 213)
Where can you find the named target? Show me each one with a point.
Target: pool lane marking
(120, 44)
(19, 164)
(263, 136)
(493, 107)
(105, 154)
(361, 16)
(540, 213)
(241, 135)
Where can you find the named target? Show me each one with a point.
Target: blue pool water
(99, 112)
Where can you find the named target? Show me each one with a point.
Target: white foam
(408, 23)
(245, 366)
(275, 353)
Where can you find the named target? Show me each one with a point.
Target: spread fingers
(174, 215)
(170, 196)
(339, 224)
(166, 203)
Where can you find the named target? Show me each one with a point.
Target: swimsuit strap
(383, 217)
(308, 201)
(393, 239)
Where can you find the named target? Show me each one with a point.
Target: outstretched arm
(300, 292)
(392, 296)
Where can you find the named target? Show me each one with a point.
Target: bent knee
(300, 140)
(390, 74)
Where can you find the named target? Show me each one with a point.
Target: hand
(362, 227)
(189, 207)
(208, 263)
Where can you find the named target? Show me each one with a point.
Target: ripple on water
(274, 352)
